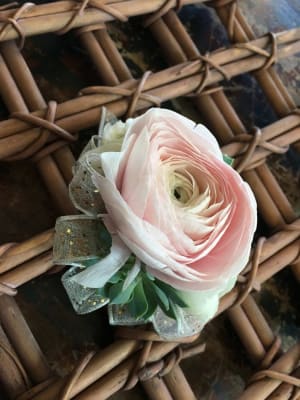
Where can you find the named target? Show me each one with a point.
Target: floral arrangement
(166, 228)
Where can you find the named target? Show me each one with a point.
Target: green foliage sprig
(143, 295)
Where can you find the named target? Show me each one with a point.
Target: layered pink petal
(195, 241)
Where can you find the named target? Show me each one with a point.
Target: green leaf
(171, 312)
(149, 276)
(156, 293)
(121, 275)
(229, 160)
(162, 296)
(138, 306)
(129, 263)
(119, 296)
(151, 296)
(117, 277)
(152, 306)
(171, 293)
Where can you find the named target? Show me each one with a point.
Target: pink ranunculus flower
(170, 197)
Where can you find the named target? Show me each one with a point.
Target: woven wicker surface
(63, 65)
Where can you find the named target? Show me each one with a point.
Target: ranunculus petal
(177, 206)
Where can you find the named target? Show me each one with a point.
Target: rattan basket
(44, 132)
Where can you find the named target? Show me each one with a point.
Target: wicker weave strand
(8, 6)
(65, 395)
(166, 7)
(232, 14)
(268, 373)
(254, 267)
(271, 57)
(271, 353)
(293, 227)
(206, 62)
(143, 371)
(141, 362)
(257, 140)
(89, 28)
(48, 125)
(7, 289)
(14, 22)
(100, 5)
(135, 94)
(17, 363)
(46, 151)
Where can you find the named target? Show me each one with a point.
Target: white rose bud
(114, 133)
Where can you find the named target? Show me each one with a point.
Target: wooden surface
(61, 66)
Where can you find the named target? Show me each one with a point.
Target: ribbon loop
(78, 238)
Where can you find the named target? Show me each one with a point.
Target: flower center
(182, 186)
(181, 194)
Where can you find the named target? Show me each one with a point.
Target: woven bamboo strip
(264, 200)
(36, 389)
(276, 193)
(115, 380)
(13, 379)
(272, 134)
(17, 100)
(256, 335)
(264, 387)
(258, 321)
(28, 271)
(178, 385)
(101, 364)
(22, 252)
(286, 391)
(155, 388)
(179, 47)
(52, 17)
(106, 58)
(22, 76)
(100, 59)
(247, 334)
(278, 251)
(175, 81)
(9, 90)
(269, 81)
(172, 74)
(162, 31)
(116, 61)
(266, 270)
(254, 332)
(22, 340)
(30, 94)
